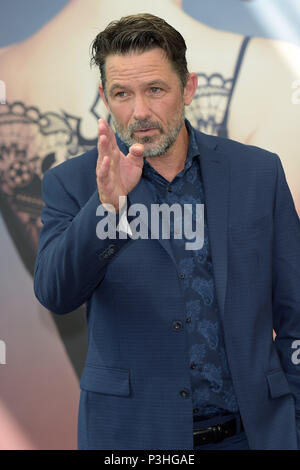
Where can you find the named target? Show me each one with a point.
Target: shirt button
(177, 325)
(188, 320)
(170, 189)
(196, 410)
(193, 365)
(181, 276)
(184, 393)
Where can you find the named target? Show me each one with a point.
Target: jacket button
(112, 249)
(184, 393)
(177, 325)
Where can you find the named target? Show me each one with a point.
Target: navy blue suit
(137, 365)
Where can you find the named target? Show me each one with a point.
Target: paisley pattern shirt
(212, 387)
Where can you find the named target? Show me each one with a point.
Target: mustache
(144, 124)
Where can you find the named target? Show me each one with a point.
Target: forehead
(137, 67)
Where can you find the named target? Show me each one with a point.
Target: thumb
(136, 150)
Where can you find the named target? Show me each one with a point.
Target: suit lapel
(215, 178)
(142, 195)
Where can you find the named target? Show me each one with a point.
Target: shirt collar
(193, 150)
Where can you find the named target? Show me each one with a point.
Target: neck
(171, 163)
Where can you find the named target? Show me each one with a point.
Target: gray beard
(162, 147)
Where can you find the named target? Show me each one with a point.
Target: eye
(155, 90)
(121, 94)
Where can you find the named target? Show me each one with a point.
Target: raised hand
(117, 174)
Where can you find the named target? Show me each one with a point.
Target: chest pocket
(277, 383)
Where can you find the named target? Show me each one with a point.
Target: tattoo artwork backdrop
(247, 57)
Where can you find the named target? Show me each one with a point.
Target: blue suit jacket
(136, 363)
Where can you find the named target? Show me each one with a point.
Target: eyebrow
(149, 84)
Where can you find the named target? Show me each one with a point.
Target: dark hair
(140, 33)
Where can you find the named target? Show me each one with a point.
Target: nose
(141, 108)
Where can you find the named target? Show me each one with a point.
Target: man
(181, 352)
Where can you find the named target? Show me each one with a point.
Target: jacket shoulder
(81, 165)
(236, 150)
(77, 177)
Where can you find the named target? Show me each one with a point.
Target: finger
(102, 131)
(103, 170)
(105, 129)
(102, 149)
(136, 151)
(107, 144)
(104, 145)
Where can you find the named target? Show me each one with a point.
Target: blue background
(19, 19)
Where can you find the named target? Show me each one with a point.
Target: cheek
(164, 110)
(168, 111)
(122, 113)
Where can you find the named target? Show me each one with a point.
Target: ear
(190, 88)
(102, 94)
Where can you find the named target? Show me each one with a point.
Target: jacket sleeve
(286, 284)
(71, 259)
